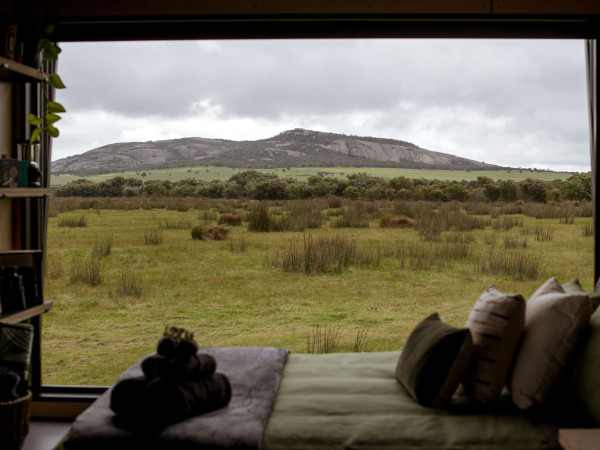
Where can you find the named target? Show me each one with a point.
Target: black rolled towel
(126, 400)
(218, 393)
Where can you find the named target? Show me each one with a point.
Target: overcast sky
(509, 102)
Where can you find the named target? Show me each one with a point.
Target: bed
(285, 401)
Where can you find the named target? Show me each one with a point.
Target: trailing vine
(48, 52)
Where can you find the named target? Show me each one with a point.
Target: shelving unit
(24, 210)
(15, 72)
(26, 314)
(24, 192)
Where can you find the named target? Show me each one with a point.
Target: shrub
(387, 220)
(217, 233)
(198, 233)
(153, 236)
(260, 219)
(71, 221)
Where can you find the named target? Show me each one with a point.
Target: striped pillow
(496, 323)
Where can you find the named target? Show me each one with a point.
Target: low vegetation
(287, 274)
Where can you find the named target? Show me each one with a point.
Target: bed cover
(341, 401)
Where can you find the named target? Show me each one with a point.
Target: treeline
(265, 186)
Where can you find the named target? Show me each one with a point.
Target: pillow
(496, 323)
(554, 321)
(574, 287)
(585, 367)
(434, 360)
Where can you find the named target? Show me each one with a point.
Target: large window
(432, 247)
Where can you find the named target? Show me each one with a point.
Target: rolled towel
(167, 401)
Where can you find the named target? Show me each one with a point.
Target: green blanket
(352, 400)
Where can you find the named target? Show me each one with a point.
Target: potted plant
(16, 342)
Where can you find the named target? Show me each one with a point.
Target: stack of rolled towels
(178, 383)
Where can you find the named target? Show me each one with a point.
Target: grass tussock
(233, 220)
(323, 339)
(587, 229)
(54, 267)
(102, 246)
(87, 271)
(543, 232)
(324, 254)
(176, 224)
(153, 236)
(238, 245)
(129, 284)
(520, 265)
(72, 221)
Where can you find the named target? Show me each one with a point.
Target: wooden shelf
(579, 438)
(24, 192)
(20, 316)
(16, 72)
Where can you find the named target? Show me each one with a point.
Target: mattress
(353, 401)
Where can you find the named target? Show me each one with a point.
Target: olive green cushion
(574, 286)
(433, 361)
(584, 378)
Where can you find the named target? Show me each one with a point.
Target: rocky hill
(292, 148)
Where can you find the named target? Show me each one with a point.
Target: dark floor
(44, 435)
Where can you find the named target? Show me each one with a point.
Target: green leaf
(55, 81)
(48, 29)
(51, 118)
(42, 44)
(52, 131)
(34, 120)
(34, 134)
(51, 51)
(55, 107)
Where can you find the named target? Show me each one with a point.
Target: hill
(293, 148)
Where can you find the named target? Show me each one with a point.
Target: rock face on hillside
(292, 148)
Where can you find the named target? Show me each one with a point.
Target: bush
(389, 221)
(198, 233)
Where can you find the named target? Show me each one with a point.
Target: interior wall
(5, 148)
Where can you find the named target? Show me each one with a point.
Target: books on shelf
(20, 280)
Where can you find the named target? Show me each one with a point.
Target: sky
(517, 103)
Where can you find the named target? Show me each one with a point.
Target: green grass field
(230, 297)
(224, 173)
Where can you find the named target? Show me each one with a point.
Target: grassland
(236, 292)
(209, 173)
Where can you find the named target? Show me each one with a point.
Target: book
(20, 280)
